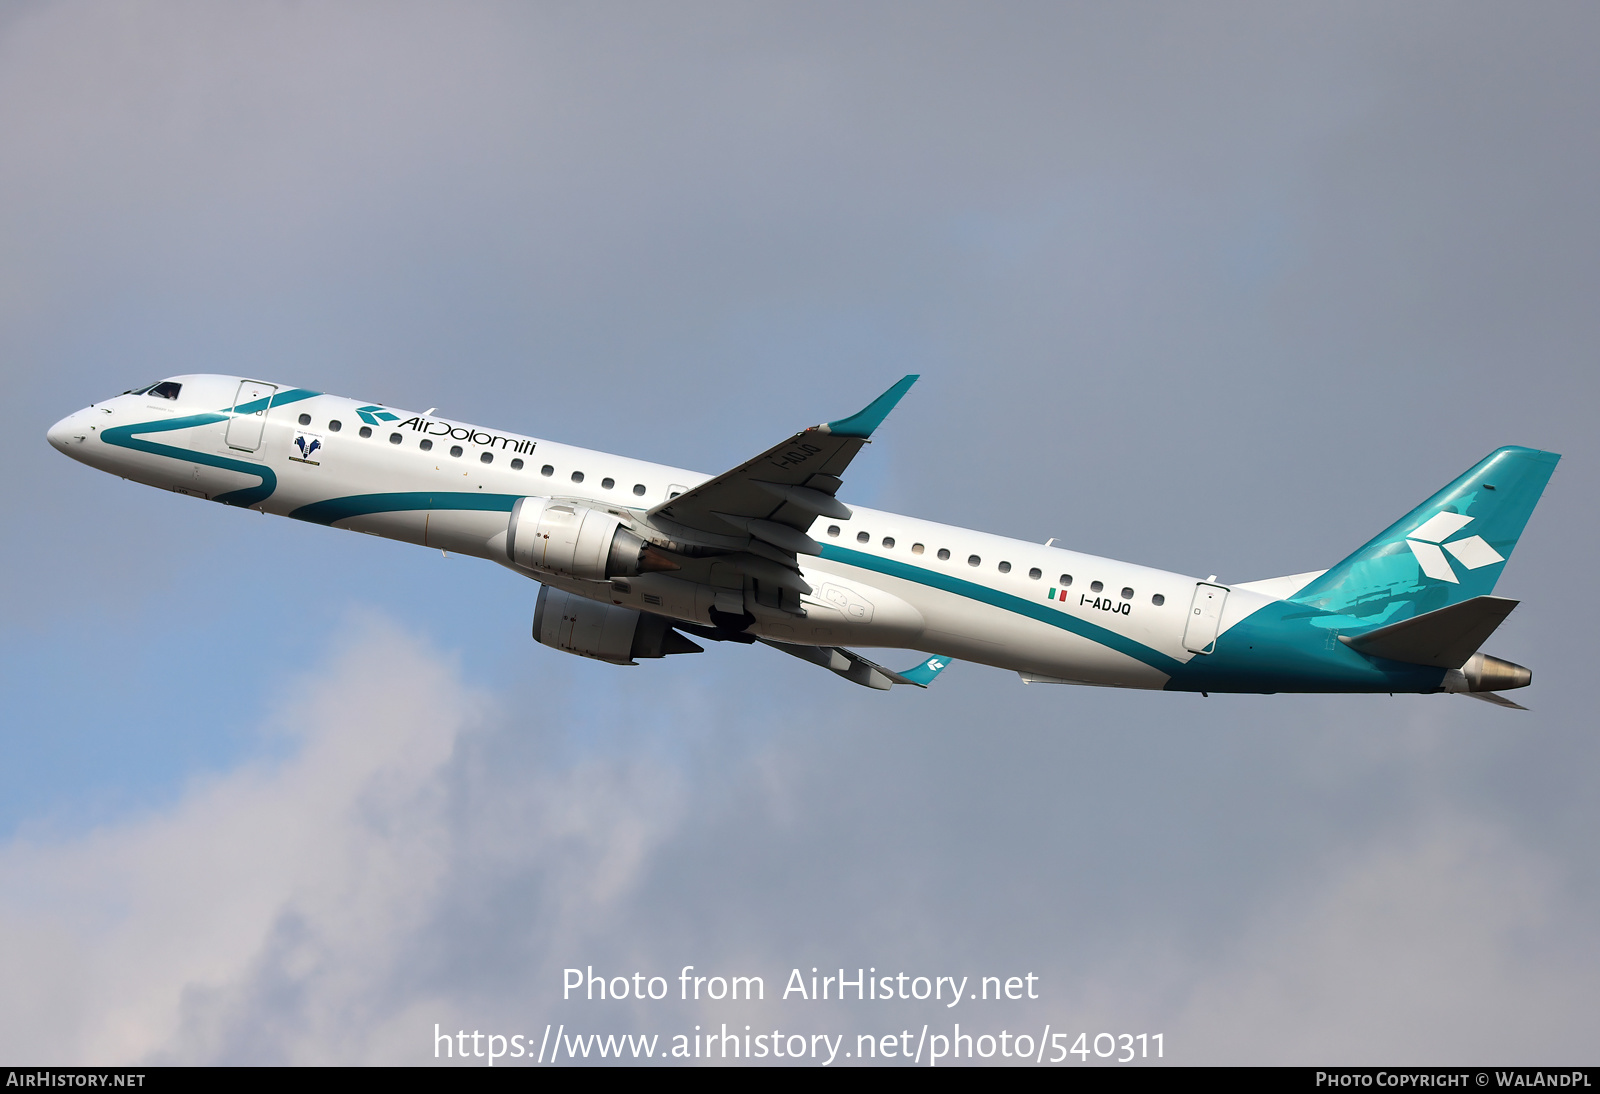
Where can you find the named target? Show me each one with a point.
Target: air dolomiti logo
(1427, 542)
(374, 415)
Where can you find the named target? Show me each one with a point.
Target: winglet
(924, 673)
(862, 424)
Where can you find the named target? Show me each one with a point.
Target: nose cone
(67, 433)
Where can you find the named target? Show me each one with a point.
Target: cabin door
(1200, 634)
(250, 414)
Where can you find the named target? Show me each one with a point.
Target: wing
(766, 504)
(858, 670)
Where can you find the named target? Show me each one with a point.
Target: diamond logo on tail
(1427, 542)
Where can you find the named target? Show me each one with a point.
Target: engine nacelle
(572, 540)
(606, 632)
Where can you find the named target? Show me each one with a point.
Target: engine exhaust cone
(654, 561)
(1485, 673)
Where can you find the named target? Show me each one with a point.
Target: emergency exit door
(250, 414)
(1205, 614)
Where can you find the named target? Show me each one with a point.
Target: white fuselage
(883, 579)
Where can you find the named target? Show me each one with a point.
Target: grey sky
(1223, 289)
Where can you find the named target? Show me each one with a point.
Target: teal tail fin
(1449, 549)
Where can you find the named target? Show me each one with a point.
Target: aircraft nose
(67, 432)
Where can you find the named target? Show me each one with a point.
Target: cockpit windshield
(166, 389)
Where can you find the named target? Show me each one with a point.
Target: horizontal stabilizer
(1444, 639)
(1495, 698)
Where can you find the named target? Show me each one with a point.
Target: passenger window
(833, 530)
(1096, 586)
(516, 465)
(862, 537)
(166, 390)
(1158, 600)
(917, 548)
(638, 489)
(455, 450)
(607, 484)
(944, 555)
(394, 438)
(1127, 594)
(974, 560)
(366, 431)
(335, 425)
(888, 542)
(1036, 573)
(487, 457)
(1005, 567)
(305, 419)
(577, 476)
(547, 471)
(1066, 579)
(426, 445)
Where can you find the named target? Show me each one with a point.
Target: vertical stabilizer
(1447, 550)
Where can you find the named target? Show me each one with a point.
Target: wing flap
(809, 500)
(783, 536)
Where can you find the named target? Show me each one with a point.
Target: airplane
(636, 560)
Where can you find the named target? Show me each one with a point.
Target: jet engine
(576, 541)
(606, 632)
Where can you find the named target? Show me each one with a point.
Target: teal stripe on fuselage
(1274, 649)
(982, 593)
(124, 436)
(282, 398)
(363, 505)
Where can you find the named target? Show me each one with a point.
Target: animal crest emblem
(308, 445)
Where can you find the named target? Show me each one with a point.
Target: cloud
(264, 916)
(1448, 941)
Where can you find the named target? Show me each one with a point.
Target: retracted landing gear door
(1200, 635)
(250, 415)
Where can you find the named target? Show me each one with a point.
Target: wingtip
(922, 675)
(863, 424)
